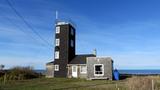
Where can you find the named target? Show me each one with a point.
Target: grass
(61, 84)
(133, 83)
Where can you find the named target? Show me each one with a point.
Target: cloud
(133, 44)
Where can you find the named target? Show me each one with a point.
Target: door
(74, 71)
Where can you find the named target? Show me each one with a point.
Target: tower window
(72, 31)
(56, 54)
(57, 29)
(72, 43)
(56, 67)
(57, 42)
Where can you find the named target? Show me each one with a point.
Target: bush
(20, 73)
(2, 73)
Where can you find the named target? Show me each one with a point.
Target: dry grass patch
(139, 83)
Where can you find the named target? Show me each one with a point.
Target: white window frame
(57, 29)
(102, 70)
(83, 72)
(57, 42)
(56, 55)
(56, 67)
(72, 43)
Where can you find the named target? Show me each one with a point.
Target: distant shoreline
(127, 72)
(132, 72)
(140, 72)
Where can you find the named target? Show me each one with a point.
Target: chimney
(95, 52)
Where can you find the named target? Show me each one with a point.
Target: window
(74, 68)
(57, 29)
(98, 70)
(83, 69)
(72, 31)
(72, 43)
(56, 54)
(57, 42)
(56, 67)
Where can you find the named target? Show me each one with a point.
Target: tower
(64, 47)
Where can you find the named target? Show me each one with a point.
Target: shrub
(1, 73)
(20, 73)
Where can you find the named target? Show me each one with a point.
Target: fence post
(152, 84)
(4, 79)
(116, 85)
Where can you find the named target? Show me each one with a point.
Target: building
(67, 64)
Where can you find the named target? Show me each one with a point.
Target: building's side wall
(71, 52)
(80, 75)
(69, 74)
(108, 68)
(50, 71)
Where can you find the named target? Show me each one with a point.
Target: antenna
(56, 15)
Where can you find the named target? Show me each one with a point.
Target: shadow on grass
(125, 76)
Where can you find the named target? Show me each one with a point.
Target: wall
(80, 75)
(108, 67)
(49, 70)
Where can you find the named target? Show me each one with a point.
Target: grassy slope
(62, 83)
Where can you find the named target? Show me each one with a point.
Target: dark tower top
(64, 47)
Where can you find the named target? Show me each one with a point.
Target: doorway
(74, 71)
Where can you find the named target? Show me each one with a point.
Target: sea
(140, 72)
(137, 72)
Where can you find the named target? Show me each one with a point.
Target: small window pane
(57, 42)
(57, 29)
(57, 55)
(56, 68)
(98, 68)
(74, 68)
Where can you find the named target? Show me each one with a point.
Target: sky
(128, 31)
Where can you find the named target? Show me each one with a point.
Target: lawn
(63, 83)
(132, 83)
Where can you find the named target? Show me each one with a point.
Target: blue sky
(126, 30)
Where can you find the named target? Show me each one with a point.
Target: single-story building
(86, 66)
(91, 68)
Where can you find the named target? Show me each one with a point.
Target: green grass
(61, 84)
(136, 83)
